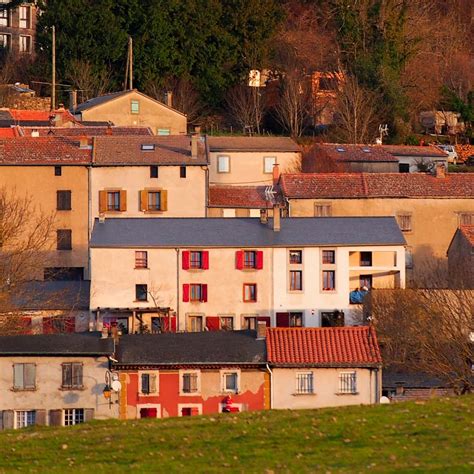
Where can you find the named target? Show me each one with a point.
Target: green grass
(432, 437)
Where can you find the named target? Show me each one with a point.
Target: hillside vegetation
(436, 436)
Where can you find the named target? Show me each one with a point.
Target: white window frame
(29, 19)
(8, 38)
(223, 374)
(343, 390)
(198, 382)
(30, 44)
(225, 169)
(73, 415)
(163, 132)
(266, 168)
(309, 373)
(132, 103)
(149, 405)
(192, 315)
(155, 373)
(24, 416)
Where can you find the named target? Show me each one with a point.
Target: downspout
(89, 227)
(271, 384)
(177, 290)
(206, 197)
(377, 399)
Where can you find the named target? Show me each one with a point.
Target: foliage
(433, 436)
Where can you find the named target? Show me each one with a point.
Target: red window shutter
(213, 323)
(204, 293)
(186, 293)
(266, 319)
(186, 260)
(239, 259)
(173, 324)
(283, 320)
(259, 260)
(25, 324)
(152, 412)
(70, 324)
(194, 411)
(205, 260)
(47, 325)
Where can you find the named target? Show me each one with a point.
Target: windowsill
(250, 301)
(190, 394)
(296, 394)
(63, 210)
(249, 269)
(195, 270)
(23, 389)
(148, 211)
(141, 268)
(227, 392)
(140, 301)
(113, 211)
(72, 389)
(295, 291)
(347, 393)
(154, 394)
(328, 291)
(196, 301)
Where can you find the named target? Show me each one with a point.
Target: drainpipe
(177, 291)
(377, 399)
(271, 384)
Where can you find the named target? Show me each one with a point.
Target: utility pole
(130, 52)
(53, 72)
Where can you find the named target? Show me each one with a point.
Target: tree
(246, 105)
(90, 81)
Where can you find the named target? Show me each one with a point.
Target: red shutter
(239, 259)
(213, 323)
(259, 261)
(205, 260)
(194, 411)
(283, 320)
(204, 293)
(266, 319)
(70, 324)
(186, 260)
(25, 325)
(186, 293)
(47, 325)
(173, 323)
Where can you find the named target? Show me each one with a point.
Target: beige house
(54, 380)
(133, 108)
(461, 258)
(428, 208)
(307, 371)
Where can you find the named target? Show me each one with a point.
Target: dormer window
(340, 149)
(147, 147)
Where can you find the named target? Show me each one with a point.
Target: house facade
(54, 380)
(133, 108)
(461, 258)
(190, 374)
(193, 274)
(428, 209)
(413, 159)
(323, 367)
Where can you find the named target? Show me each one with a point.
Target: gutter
(271, 384)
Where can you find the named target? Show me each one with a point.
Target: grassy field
(431, 437)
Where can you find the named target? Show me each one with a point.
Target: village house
(132, 108)
(428, 208)
(190, 374)
(191, 274)
(461, 257)
(413, 159)
(54, 380)
(18, 28)
(323, 367)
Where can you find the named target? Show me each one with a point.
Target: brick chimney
(169, 99)
(276, 174)
(440, 171)
(195, 137)
(83, 142)
(261, 329)
(276, 218)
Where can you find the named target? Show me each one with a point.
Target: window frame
(141, 262)
(254, 291)
(116, 204)
(58, 171)
(193, 288)
(154, 171)
(144, 287)
(401, 216)
(295, 251)
(308, 383)
(219, 169)
(26, 19)
(324, 288)
(326, 209)
(134, 110)
(194, 317)
(21, 419)
(75, 415)
(250, 265)
(195, 264)
(265, 158)
(246, 319)
(292, 316)
(343, 383)
(72, 385)
(64, 239)
(153, 389)
(328, 251)
(366, 262)
(5, 19)
(24, 387)
(28, 43)
(193, 373)
(223, 325)
(292, 282)
(182, 172)
(7, 43)
(224, 375)
(64, 200)
(153, 201)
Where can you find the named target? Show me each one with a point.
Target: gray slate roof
(245, 232)
(193, 348)
(88, 104)
(87, 343)
(392, 378)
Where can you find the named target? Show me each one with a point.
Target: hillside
(436, 436)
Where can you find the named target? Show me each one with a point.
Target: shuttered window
(404, 222)
(24, 376)
(72, 375)
(141, 259)
(322, 209)
(63, 200)
(190, 382)
(64, 239)
(153, 200)
(113, 201)
(148, 383)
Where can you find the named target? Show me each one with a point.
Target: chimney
(169, 99)
(261, 329)
(83, 142)
(72, 100)
(195, 137)
(105, 332)
(263, 216)
(35, 133)
(276, 174)
(276, 218)
(440, 171)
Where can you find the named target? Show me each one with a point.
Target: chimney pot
(440, 171)
(261, 329)
(35, 133)
(276, 174)
(276, 218)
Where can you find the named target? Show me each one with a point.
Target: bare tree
(90, 81)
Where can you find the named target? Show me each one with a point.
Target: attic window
(340, 149)
(366, 150)
(148, 147)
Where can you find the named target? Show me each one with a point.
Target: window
(25, 17)
(73, 416)
(322, 209)
(134, 107)
(4, 18)
(196, 293)
(190, 382)
(113, 200)
(72, 375)
(296, 280)
(365, 281)
(154, 200)
(57, 171)
(227, 323)
(329, 280)
(25, 44)
(250, 259)
(163, 131)
(194, 323)
(141, 259)
(330, 319)
(466, 218)
(147, 147)
(403, 167)
(63, 200)
(24, 376)
(366, 259)
(404, 222)
(148, 383)
(296, 256)
(250, 292)
(5, 40)
(25, 418)
(223, 164)
(268, 163)
(195, 260)
(231, 382)
(182, 171)
(347, 382)
(296, 320)
(154, 171)
(329, 256)
(304, 383)
(141, 293)
(250, 322)
(64, 239)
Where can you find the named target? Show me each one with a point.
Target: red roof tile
(43, 151)
(7, 133)
(345, 346)
(376, 185)
(468, 232)
(39, 115)
(80, 130)
(238, 196)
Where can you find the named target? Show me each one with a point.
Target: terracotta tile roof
(238, 196)
(7, 132)
(345, 346)
(468, 232)
(42, 151)
(168, 150)
(39, 115)
(376, 185)
(253, 144)
(345, 152)
(85, 131)
(407, 150)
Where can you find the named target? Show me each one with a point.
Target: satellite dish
(384, 400)
(116, 386)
